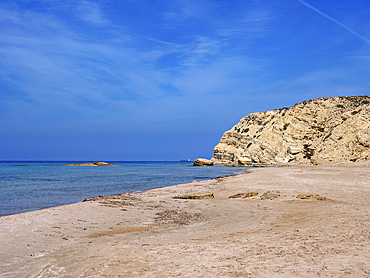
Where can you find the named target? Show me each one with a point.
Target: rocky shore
(293, 221)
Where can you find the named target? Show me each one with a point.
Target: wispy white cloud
(88, 11)
(201, 48)
(183, 10)
(253, 23)
(160, 41)
(91, 13)
(59, 68)
(334, 20)
(316, 83)
(53, 64)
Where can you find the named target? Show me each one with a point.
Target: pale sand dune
(220, 237)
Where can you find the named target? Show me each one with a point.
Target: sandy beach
(151, 234)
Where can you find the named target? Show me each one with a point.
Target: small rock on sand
(311, 196)
(201, 195)
(270, 195)
(244, 195)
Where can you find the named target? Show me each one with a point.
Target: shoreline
(40, 187)
(131, 192)
(150, 234)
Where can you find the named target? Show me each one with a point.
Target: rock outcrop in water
(203, 162)
(98, 163)
(319, 131)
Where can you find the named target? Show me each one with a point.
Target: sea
(33, 185)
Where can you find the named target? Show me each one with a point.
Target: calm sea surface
(27, 185)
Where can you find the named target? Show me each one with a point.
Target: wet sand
(153, 235)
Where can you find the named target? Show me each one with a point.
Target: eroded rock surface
(307, 196)
(244, 195)
(203, 162)
(319, 131)
(201, 195)
(270, 195)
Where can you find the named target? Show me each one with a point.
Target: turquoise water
(27, 185)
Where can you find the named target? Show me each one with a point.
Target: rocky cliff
(319, 131)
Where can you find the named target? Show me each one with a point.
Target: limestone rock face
(319, 131)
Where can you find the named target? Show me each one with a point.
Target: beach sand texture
(151, 234)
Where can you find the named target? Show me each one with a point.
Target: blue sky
(162, 80)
